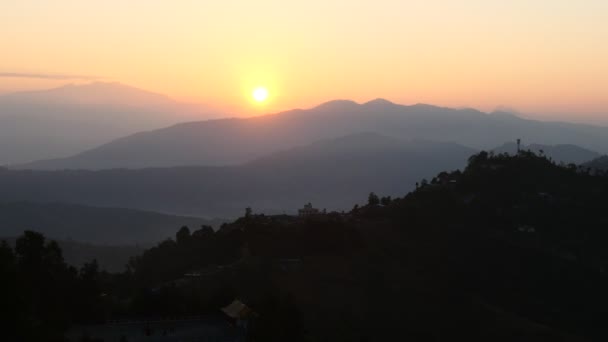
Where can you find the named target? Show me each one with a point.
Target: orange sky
(541, 56)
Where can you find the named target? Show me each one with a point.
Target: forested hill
(512, 248)
(598, 164)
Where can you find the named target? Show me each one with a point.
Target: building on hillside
(238, 310)
(241, 316)
(308, 210)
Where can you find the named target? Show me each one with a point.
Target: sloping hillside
(512, 248)
(563, 153)
(89, 224)
(332, 174)
(600, 164)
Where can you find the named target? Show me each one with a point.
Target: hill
(598, 164)
(510, 248)
(235, 141)
(113, 226)
(331, 173)
(67, 120)
(563, 153)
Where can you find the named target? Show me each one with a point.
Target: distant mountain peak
(378, 101)
(425, 106)
(337, 105)
(95, 93)
(93, 84)
(101, 85)
(70, 119)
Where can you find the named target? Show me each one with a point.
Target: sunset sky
(547, 57)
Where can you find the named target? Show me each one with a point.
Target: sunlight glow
(260, 94)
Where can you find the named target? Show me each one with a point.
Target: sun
(260, 94)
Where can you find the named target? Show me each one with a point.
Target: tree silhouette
(373, 199)
(386, 200)
(182, 235)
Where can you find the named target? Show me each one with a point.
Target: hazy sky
(539, 56)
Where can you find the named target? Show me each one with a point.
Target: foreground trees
(41, 295)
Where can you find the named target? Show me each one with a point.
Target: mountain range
(67, 120)
(333, 174)
(239, 140)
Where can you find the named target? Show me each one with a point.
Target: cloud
(46, 76)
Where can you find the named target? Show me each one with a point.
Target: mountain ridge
(233, 141)
(64, 121)
(332, 173)
(90, 224)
